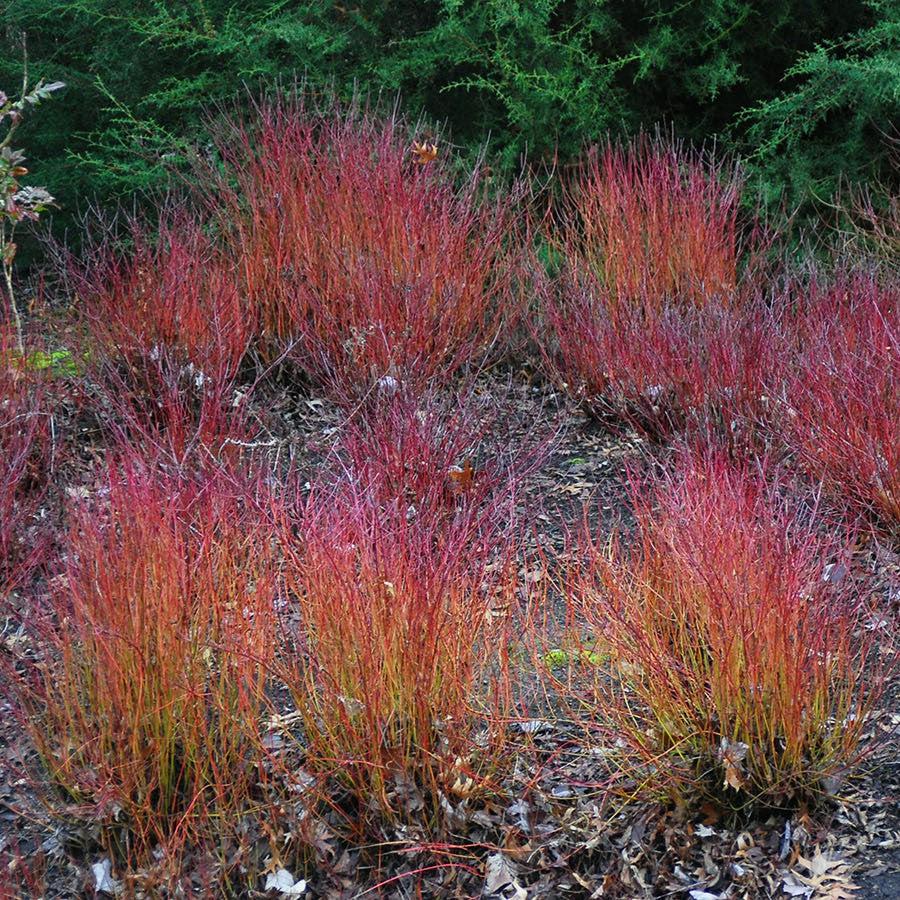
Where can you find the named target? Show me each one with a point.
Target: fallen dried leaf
(500, 878)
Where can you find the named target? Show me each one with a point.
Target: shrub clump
(144, 701)
(839, 409)
(358, 247)
(740, 665)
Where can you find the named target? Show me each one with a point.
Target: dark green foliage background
(804, 89)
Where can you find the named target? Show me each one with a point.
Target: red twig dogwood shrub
(395, 633)
(168, 409)
(411, 446)
(364, 255)
(663, 369)
(839, 409)
(739, 669)
(166, 331)
(170, 289)
(656, 221)
(24, 447)
(650, 321)
(145, 700)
